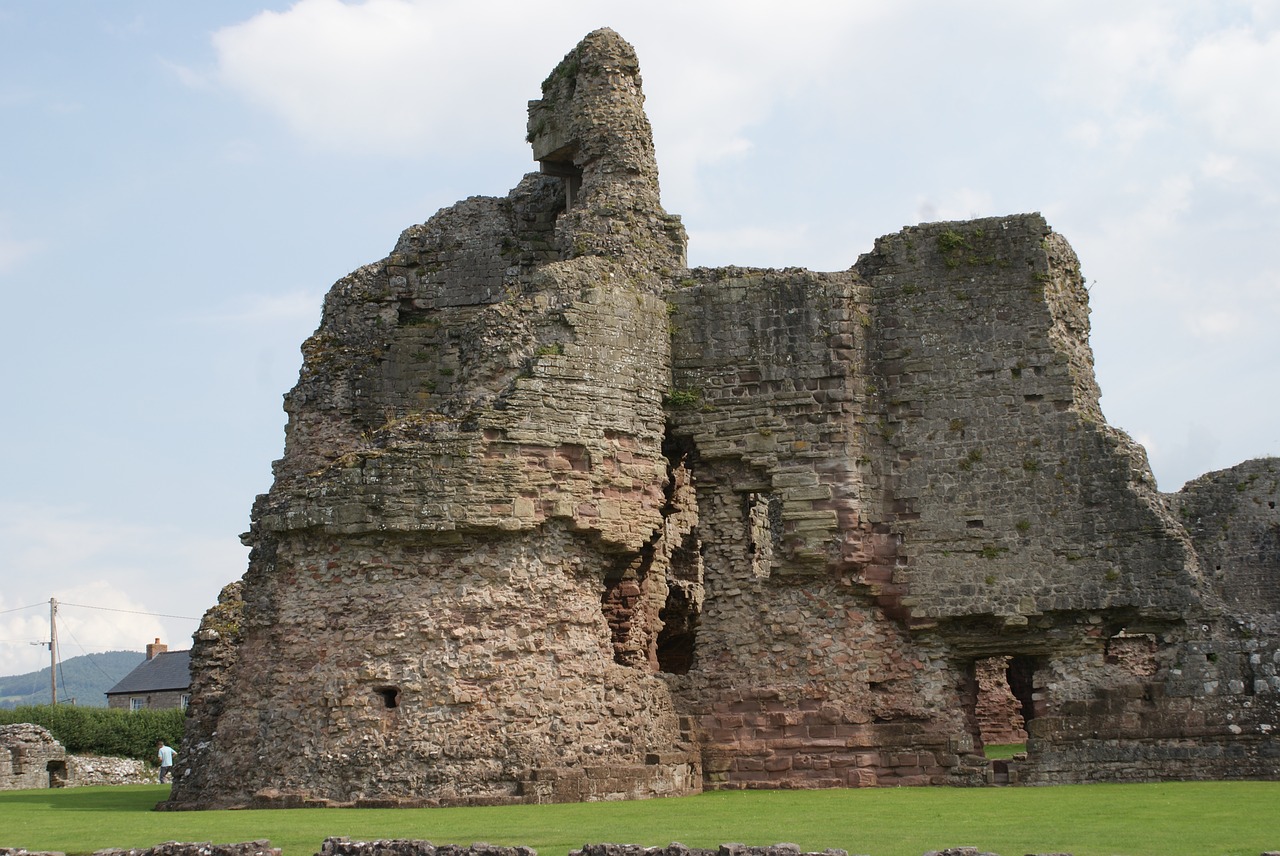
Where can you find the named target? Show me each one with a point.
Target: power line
(20, 608)
(129, 611)
(95, 663)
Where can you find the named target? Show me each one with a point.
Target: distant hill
(84, 679)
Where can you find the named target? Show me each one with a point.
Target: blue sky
(180, 183)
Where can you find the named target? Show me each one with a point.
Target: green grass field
(1173, 819)
(999, 751)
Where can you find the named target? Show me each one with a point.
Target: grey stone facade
(559, 518)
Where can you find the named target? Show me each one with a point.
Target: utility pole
(53, 650)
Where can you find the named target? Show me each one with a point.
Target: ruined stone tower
(561, 519)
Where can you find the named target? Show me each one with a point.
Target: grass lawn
(1171, 819)
(1003, 751)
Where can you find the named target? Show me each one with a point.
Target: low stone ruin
(30, 758)
(561, 518)
(86, 770)
(409, 847)
(261, 847)
(36, 760)
(413, 847)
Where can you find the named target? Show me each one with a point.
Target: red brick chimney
(154, 648)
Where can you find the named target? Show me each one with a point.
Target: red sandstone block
(823, 783)
(778, 763)
(877, 574)
(862, 779)
(749, 776)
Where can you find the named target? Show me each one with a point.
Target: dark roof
(168, 671)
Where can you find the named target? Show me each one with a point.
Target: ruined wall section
(590, 128)
(800, 677)
(30, 757)
(1235, 526)
(1205, 706)
(439, 674)
(474, 454)
(364, 554)
(1202, 701)
(1013, 499)
(214, 649)
(1029, 527)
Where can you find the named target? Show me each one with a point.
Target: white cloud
(129, 583)
(403, 77)
(293, 308)
(1108, 56)
(383, 76)
(14, 252)
(1216, 323)
(772, 245)
(189, 77)
(1228, 82)
(962, 204)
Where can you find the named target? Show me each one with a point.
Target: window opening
(677, 640)
(390, 696)
(998, 708)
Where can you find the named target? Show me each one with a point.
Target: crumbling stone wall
(803, 676)
(475, 449)
(30, 757)
(261, 847)
(89, 770)
(1232, 518)
(409, 847)
(560, 519)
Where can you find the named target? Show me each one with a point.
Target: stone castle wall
(561, 519)
(1232, 518)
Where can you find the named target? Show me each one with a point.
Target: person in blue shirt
(165, 754)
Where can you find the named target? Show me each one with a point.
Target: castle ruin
(559, 518)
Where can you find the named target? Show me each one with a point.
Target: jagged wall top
(590, 128)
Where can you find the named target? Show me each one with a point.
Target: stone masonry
(30, 757)
(559, 518)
